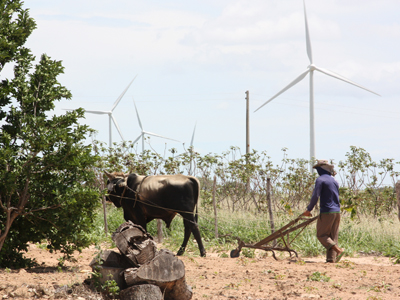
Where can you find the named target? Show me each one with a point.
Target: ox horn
(109, 175)
(124, 183)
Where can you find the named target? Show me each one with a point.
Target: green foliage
(362, 180)
(317, 276)
(110, 288)
(241, 180)
(46, 182)
(308, 243)
(114, 219)
(15, 27)
(396, 257)
(249, 253)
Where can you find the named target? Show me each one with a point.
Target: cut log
(110, 265)
(141, 292)
(165, 271)
(109, 258)
(135, 243)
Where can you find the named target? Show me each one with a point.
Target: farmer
(327, 190)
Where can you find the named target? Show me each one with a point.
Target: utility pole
(247, 137)
(247, 124)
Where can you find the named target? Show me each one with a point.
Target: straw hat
(324, 164)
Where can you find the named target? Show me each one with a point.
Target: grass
(365, 235)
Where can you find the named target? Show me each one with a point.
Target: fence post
(215, 207)
(104, 205)
(105, 215)
(159, 231)
(271, 216)
(398, 198)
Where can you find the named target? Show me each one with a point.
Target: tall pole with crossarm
(247, 123)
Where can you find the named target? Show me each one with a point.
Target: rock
(141, 292)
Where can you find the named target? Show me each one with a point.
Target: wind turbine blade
(116, 125)
(68, 109)
(194, 130)
(137, 138)
(137, 114)
(98, 112)
(298, 79)
(157, 135)
(340, 77)
(123, 93)
(308, 40)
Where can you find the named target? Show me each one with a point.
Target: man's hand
(307, 213)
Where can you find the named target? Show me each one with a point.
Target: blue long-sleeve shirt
(327, 190)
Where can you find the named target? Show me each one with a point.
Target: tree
(46, 190)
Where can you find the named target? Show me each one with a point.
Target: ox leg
(191, 226)
(197, 236)
(188, 231)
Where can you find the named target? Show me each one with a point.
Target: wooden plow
(282, 233)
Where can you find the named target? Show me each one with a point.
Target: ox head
(116, 185)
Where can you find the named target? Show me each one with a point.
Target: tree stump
(166, 271)
(135, 243)
(141, 292)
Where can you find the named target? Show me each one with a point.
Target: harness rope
(152, 204)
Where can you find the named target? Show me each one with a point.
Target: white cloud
(224, 46)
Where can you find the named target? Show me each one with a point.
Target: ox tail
(196, 194)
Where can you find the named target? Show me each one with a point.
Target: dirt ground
(216, 277)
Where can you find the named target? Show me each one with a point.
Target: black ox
(144, 198)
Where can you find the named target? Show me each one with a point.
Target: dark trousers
(328, 233)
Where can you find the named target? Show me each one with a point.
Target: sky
(194, 61)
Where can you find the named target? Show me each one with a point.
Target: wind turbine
(110, 114)
(143, 133)
(310, 70)
(194, 131)
(191, 150)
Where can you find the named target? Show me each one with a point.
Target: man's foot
(340, 255)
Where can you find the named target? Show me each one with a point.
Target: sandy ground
(216, 277)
